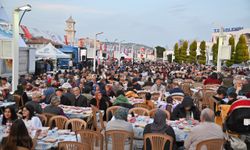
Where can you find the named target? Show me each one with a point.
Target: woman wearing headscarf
(186, 109)
(120, 121)
(159, 126)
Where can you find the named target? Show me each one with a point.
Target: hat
(66, 86)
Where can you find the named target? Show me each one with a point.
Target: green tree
(183, 52)
(159, 51)
(176, 53)
(242, 54)
(232, 44)
(202, 58)
(192, 52)
(215, 51)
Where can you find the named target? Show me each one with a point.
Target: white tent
(49, 51)
(124, 55)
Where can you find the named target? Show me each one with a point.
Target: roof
(40, 40)
(70, 20)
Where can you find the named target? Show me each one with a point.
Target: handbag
(234, 143)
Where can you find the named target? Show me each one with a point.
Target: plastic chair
(153, 111)
(76, 124)
(178, 98)
(212, 144)
(48, 116)
(140, 111)
(59, 121)
(97, 125)
(118, 138)
(43, 119)
(73, 146)
(90, 137)
(111, 110)
(157, 141)
(141, 105)
(19, 100)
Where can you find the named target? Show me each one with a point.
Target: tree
(232, 44)
(176, 53)
(202, 58)
(159, 51)
(183, 52)
(192, 52)
(242, 54)
(215, 51)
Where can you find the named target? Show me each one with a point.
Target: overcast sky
(150, 22)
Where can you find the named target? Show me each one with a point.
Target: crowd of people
(113, 85)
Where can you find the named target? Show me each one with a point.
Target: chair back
(19, 100)
(22, 148)
(118, 138)
(153, 111)
(48, 116)
(76, 124)
(96, 111)
(140, 111)
(212, 144)
(177, 98)
(208, 100)
(186, 87)
(158, 141)
(90, 137)
(43, 119)
(59, 121)
(141, 94)
(141, 105)
(155, 96)
(111, 111)
(73, 146)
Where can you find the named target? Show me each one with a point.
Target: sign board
(225, 52)
(32, 60)
(229, 29)
(5, 49)
(90, 52)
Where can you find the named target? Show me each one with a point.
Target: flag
(26, 32)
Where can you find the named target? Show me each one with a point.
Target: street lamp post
(15, 45)
(94, 67)
(120, 52)
(219, 50)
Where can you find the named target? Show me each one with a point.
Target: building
(235, 32)
(70, 31)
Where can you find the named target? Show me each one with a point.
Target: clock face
(69, 26)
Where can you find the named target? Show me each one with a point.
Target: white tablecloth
(5, 104)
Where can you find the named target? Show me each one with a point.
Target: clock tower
(70, 31)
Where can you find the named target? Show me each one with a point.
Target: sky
(149, 22)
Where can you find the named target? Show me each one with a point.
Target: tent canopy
(49, 51)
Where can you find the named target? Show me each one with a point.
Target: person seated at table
(207, 129)
(176, 90)
(232, 97)
(220, 97)
(237, 88)
(80, 100)
(108, 90)
(87, 93)
(19, 137)
(31, 121)
(5, 84)
(186, 109)
(6, 96)
(9, 115)
(212, 79)
(20, 91)
(63, 99)
(120, 98)
(36, 97)
(148, 101)
(136, 85)
(53, 107)
(120, 121)
(100, 102)
(158, 87)
(160, 126)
